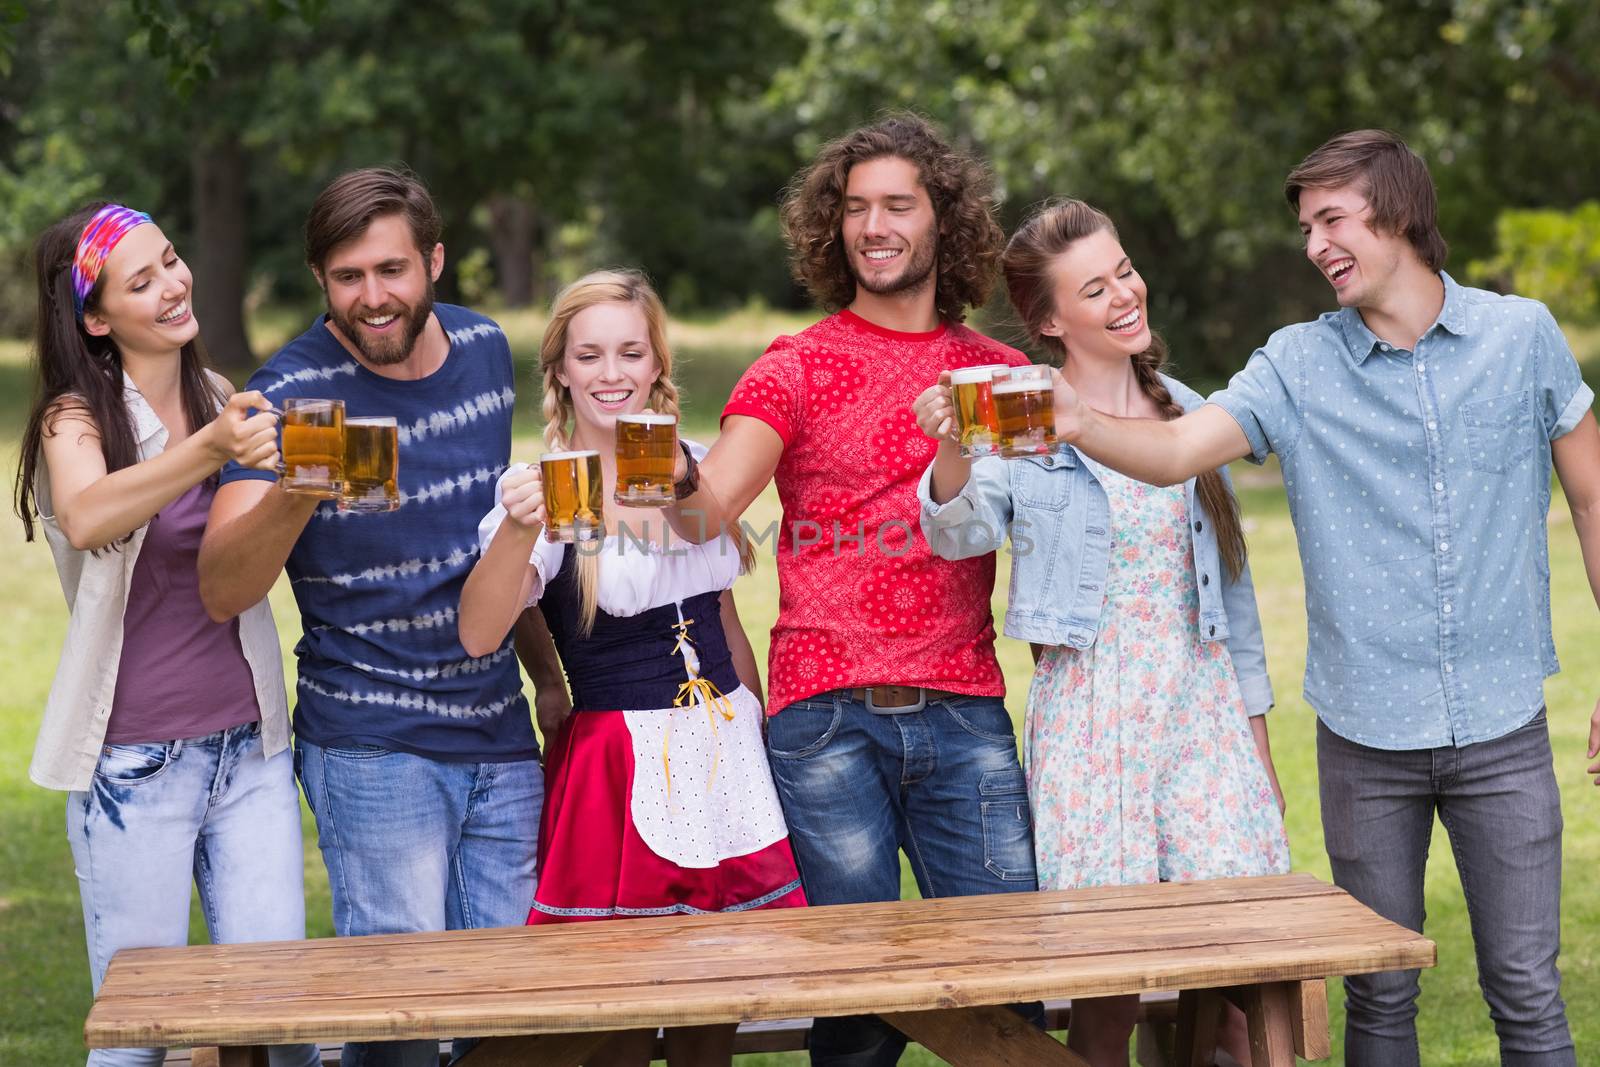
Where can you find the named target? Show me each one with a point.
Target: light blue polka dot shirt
(1419, 483)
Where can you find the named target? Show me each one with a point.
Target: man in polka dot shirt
(889, 727)
(1416, 428)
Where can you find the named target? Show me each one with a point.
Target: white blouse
(634, 577)
(702, 791)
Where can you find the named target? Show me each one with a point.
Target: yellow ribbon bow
(695, 689)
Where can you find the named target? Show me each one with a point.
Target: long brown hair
(604, 287)
(959, 186)
(1028, 264)
(79, 375)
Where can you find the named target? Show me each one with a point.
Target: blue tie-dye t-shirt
(379, 661)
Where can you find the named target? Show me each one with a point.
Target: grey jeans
(1501, 809)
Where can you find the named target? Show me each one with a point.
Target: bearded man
(418, 760)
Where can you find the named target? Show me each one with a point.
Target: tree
(1181, 119)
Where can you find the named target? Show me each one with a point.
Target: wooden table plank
(508, 1012)
(910, 956)
(423, 975)
(518, 955)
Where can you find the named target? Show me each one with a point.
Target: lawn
(44, 987)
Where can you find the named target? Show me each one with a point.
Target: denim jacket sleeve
(1246, 647)
(975, 522)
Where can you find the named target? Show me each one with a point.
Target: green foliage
(663, 130)
(1181, 119)
(1549, 255)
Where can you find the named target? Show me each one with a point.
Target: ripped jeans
(943, 783)
(207, 811)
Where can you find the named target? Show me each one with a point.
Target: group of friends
(1416, 428)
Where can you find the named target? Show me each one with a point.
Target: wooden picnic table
(933, 968)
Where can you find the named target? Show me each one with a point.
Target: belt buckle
(922, 702)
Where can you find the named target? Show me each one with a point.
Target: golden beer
(313, 447)
(977, 428)
(1025, 408)
(574, 495)
(647, 448)
(371, 465)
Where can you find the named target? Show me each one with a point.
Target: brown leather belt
(898, 698)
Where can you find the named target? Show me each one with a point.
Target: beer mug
(976, 427)
(573, 495)
(313, 447)
(647, 447)
(1027, 370)
(371, 464)
(1025, 408)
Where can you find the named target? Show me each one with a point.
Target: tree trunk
(221, 251)
(513, 227)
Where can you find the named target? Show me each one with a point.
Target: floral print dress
(1141, 763)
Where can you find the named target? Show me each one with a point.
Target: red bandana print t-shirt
(862, 598)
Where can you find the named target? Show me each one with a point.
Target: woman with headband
(168, 731)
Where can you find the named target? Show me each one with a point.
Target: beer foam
(968, 375)
(569, 455)
(371, 420)
(649, 419)
(1023, 385)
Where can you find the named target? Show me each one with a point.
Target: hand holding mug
(935, 411)
(522, 495)
(249, 440)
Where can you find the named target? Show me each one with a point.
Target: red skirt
(593, 863)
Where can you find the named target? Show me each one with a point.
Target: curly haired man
(888, 725)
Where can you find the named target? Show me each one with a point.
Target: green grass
(44, 987)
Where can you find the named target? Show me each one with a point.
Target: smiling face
(1358, 263)
(144, 295)
(890, 235)
(380, 289)
(1099, 302)
(608, 365)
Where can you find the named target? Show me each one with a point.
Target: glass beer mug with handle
(371, 464)
(1025, 409)
(574, 495)
(971, 395)
(312, 447)
(647, 446)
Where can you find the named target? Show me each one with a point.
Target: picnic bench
(936, 969)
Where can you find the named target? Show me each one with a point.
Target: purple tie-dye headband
(109, 225)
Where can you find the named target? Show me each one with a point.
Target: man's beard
(924, 256)
(393, 347)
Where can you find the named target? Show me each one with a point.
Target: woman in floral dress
(1146, 742)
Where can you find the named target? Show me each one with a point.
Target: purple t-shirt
(181, 675)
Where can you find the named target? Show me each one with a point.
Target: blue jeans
(943, 783)
(208, 809)
(414, 844)
(1500, 805)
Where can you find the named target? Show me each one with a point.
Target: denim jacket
(1057, 513)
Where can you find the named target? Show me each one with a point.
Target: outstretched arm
(738, 467)
(1151, 450)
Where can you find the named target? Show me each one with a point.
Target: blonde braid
(1219, 503)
